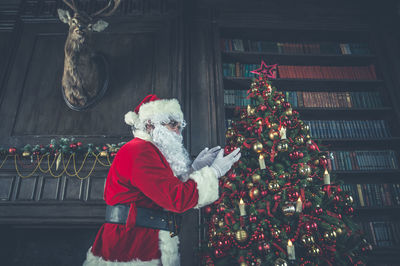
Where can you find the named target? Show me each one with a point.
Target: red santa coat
(141, 176)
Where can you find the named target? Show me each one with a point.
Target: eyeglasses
(173, 124)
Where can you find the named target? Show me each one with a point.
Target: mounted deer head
(84, 69)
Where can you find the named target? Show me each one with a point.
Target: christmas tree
(279, 204)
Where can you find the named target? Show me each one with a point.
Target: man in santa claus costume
(150, 181)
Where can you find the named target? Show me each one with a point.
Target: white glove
(205, 158)
(222, 164)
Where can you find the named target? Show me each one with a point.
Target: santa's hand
(222, 164)
(205, 158)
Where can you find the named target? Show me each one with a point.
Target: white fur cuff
(207, 186)
(92, 260)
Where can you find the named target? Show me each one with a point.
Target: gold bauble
(280, 262)
(254, 90)
(307, 240)
(273, 134)
(309, 179)
(274, 125)
(307, 137)
(259, 122)
(221, 223)
(241, 235)
(26, 153)
(339, 231)
(103, 154)
(316, 162)
(256, 178)
(254, 193)
(349, 199)
(243, 263)
(229, 133)
(305, 128)
(243, 116)
(209, 245)
(305, 170)
(257, 147)
(289, 112)
(240, 139)
(273, 185)
(278, 102)
(250, 185)
(299, 140)
(314, 251)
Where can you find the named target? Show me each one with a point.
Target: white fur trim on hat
(207, 186)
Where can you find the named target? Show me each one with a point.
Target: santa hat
(156, 110)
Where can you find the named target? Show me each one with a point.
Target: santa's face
(174, 126)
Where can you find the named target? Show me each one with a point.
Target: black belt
(162, 220)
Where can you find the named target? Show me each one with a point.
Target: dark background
(167, 47)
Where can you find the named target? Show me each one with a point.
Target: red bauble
(286, 105)
(263, 108)
(249, 129)
(314, 226)
(318, 211)
(261, 236)
(293, 195)
(207, 210)
(277, 197)
(264, 193)
(300, 155)
(295, 113)
(253, 219)
(220, 209)
(218, 253)
(323, 162)
(79, 144)
(51, 146)
(72, 146)
(336, 198)
(349, 210)
(105, 148)
(12, 150)
(227, 243)
(307, 204)
(312, 147)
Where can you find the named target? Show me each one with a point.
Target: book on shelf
(382, 233)
(363, 160)
(380, 195)
(350, 129)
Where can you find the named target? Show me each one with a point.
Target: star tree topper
(268, 71)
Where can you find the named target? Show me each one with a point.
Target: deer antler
(71, 5)
(109, 13)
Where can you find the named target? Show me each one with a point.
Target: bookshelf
(366, 102)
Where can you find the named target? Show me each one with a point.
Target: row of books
(327, 72)
(353, 129)
(382, 233)
(362, 160)
(235, 98)
(374, 195)
(295, 47)
(311, 99)
(305, 72)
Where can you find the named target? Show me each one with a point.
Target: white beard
(171, 146)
